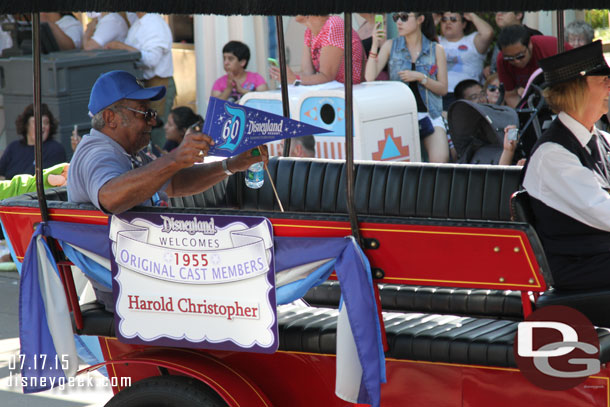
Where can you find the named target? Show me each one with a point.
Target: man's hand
(243, 161)
(119, 45)
(193, 148)
(114, 45)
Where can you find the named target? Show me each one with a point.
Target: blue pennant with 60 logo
(233, 129)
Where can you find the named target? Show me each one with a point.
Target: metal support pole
(279, 23)
(349, 129)
(560, 31)
(44, 212)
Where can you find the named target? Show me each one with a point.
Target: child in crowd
(237, 81)
(470, 89)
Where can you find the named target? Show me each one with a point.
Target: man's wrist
(225, 167)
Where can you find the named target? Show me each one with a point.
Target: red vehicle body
(426, 251)
(441, 229)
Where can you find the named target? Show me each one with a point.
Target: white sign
(194, 281)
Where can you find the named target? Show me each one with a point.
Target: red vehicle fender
(236, 389)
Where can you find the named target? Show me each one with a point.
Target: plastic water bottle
(255, 175)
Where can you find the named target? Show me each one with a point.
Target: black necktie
(592, 144)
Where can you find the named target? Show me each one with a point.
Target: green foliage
(597, 18)
(602, 34)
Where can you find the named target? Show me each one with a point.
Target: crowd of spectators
(441, 57)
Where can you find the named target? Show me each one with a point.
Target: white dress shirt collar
(582, 134)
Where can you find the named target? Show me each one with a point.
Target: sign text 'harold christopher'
(190, 226)
(267, 127)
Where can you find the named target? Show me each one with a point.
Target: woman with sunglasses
(465, 53)
(417, 60)
(492, 88)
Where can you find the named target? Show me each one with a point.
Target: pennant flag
(303, 263)
(237, 128)
(300, 263)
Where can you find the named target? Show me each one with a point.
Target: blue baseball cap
(113, 86)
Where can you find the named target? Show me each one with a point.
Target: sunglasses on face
(149, 114)
(493, 88)
(517, 57)
(404, 17)
(453, 19)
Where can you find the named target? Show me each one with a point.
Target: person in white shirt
(152, 37)
(66, 29)
(6, 40)
(104, 28)
(568, 174)
(465, 53)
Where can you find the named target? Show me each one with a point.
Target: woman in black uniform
(568, 173)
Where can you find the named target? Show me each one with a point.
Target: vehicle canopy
(270, 7)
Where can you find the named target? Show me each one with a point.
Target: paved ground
(92, 391)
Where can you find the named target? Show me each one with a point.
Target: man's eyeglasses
(517, 57)
(475, 97)
(149, 114)
(404, 17)
(453, 19)
(493, 88)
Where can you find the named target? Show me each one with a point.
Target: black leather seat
(592, 303)
(419, 190)
(96, 320)
(444, 300)
(415, 336)
(411, 336)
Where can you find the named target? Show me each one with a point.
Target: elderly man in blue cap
(110, 170)
(568, 173)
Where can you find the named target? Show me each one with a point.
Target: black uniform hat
(587, 60)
